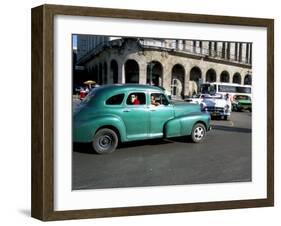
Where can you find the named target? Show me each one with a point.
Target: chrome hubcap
(199, 133)
(105, 141)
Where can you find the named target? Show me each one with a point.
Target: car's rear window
(115, 100)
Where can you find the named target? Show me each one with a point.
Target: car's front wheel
(198, 133)
(105, 141)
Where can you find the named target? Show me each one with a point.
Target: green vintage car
(241, 102)
(120, 113)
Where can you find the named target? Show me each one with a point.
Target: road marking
(231, 123)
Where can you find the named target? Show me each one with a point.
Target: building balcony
(172, 47)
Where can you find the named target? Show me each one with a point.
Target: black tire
(105, 141)
(198, 133)
(225, 117)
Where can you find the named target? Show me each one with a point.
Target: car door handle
(152, 109)
(126, 110)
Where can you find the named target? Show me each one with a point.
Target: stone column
(186, 80)
(105, 73)
(219, 75)
(180, 44)
(167, 77)
(142, 72)
(244, 46)
(121, 73)
(109, 74)
(203, 75)
(231, 76)
(250, 53)
(189, 46)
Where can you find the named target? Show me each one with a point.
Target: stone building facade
(86, 43)
(172, 64)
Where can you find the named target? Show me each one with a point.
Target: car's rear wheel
(105, 141)
(198, 133)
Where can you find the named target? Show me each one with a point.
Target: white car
(216, 105)
(197, 99)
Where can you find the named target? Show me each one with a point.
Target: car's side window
(115, 100)
(136, 99)
(157, 99)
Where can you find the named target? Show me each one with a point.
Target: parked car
(242, 102)
(120, 113)
(216, 105)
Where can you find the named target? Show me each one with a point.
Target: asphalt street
(224, 156)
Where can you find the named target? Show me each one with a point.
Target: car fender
(86, 131)
(109, 120)
(182, 125)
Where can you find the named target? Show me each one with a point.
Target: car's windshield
(242, 98)
(213, 97)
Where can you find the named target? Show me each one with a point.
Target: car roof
(127, 87)
(105, 91)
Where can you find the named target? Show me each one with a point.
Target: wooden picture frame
(43, 112)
